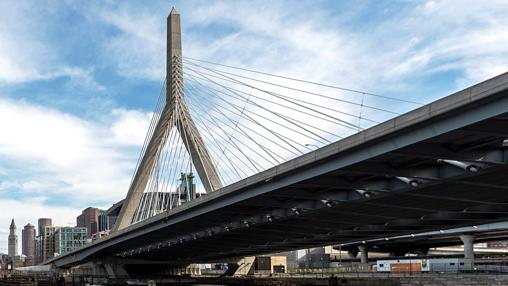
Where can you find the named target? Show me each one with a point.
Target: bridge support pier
(125, 268)
(468, 240)
(364, 254)
(114, 268)
(242, 267)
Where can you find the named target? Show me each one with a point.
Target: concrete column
(113, 268)
(364, 254)
(243, 266)
(468, 240)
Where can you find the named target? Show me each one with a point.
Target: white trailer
(402, 265)
(424, 265)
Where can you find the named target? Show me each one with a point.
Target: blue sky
(79, 79)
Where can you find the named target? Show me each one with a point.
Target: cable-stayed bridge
(239, 162)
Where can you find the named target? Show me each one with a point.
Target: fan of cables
(251, 121)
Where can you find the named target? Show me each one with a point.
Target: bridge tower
(174, 115)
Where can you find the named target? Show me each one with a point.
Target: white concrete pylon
(174, 115)
(468, 240)
(364, 253)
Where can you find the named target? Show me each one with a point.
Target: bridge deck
(346, 191)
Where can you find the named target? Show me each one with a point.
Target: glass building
(69, 238)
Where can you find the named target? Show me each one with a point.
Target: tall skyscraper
(43, 222)
(48, 242)
(89, 218)
(28, 241)
(80, 220)
(103, 221)
(13, 241)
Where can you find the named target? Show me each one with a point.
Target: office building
(39, 250)
(48, 242)
(28, 242)
(103, 223)
(40, 253)
(69, 238)
(89, 218)
(42, 223)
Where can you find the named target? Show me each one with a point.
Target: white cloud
(65, 155)
(279, 39)
(130, 126)
(468, 37)
(138, 50)
(26, 55)
(407, 46)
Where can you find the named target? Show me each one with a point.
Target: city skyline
(25, 237)
(95, 88)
